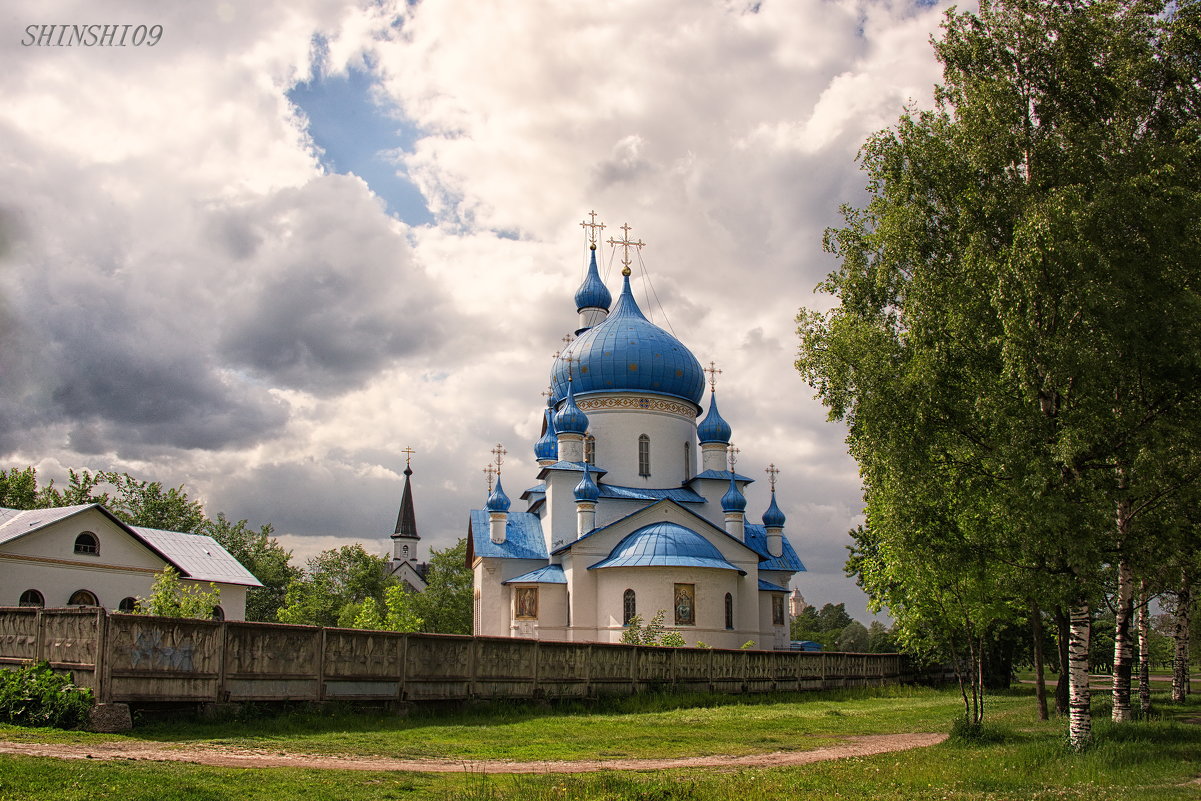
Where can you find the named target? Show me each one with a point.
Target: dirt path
(221, 756)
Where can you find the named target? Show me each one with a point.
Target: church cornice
(642, 403)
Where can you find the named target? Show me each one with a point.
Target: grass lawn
(1026, 759)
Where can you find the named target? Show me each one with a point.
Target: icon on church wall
(777, 610)
(527, 603)
(685, 604)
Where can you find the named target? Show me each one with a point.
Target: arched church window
(87, 543)
(83, 598)
(729, 611)
(218, 613)
(687, 460)
(32, 598)
(127, 605)
(405, 551)
(644, 455)
(590, 449)
(629, 607)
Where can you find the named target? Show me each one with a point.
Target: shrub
(34, 695)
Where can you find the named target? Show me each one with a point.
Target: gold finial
(408, 452)
(499, 452)
(772, 471)
(713, 374)
(490, 472)
(626, 244)
(594, 228)
(732, 454)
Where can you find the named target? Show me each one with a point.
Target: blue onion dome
(773, 517)
(733, 500)
(593, 294)
(714, 428)
(497, 501)
(548, 446)
(569, 419)
(625, 352)
(587, 490)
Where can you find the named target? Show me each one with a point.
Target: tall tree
(334, 586)
(445, 605)
(1012, 302)
(262, 555)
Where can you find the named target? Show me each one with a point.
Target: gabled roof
(767, 586)
(720, 475)
(702, 521)
(756, 538)
(677, 494)
(523, 537)
(549, 574)
(574, 467)
(195, 556)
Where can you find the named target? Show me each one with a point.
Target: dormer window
(87, 543)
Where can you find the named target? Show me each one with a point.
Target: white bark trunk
(1180, 666)
(1123, 653)
(1144, 649)
(1080, 721)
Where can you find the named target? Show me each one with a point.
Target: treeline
(838, 631)
(344, 586)
(1016, 346)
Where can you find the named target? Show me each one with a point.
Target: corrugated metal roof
(756, 538)
(198, 557)
(523, 537)
(15, 522)
(723, 475)
(665, 545)
(677, 494)
(537, 489)
(550, 574)
(767, 586)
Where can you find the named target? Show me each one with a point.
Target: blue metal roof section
(679, 495)
(523, 537)
(733, 500)
(537, 489)
(722, 475)
(717, 530)
(767, 586)
(628, 353)
(773, 517)
(547, 447)
(587, 491)
(593, 294)
(574, 467)
(498, 501)
(713, 428)
(665, 544)
(569, 419)
(551, 574)
(756, 538)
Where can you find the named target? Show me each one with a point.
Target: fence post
(219, 692)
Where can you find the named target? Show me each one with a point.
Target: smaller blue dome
(587, 490)
(547, 447)
(665, 545)
(569, 419)
(773, 517)
(714, 428)
(733, 500)
(593, 294)
(498, 501)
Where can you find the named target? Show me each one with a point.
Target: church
(622, 523)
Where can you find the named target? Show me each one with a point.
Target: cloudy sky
(262, 256)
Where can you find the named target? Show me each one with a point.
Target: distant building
(86, 556)
(623, 521)
(796, 603)
(405, 541)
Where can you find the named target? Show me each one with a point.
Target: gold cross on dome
(548, 394)
(772, 471)
(570, 361)
(499, 452)
(594, 229)
(408, 452)
(490, 472)
(626, 244)
(732, 453)
(713, 374)
(568, 339)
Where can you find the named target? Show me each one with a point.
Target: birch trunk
(1144, 649)
(1063, 635)
(1080, 721)
(1040, 681)
(1180, 666)
(1123, 656)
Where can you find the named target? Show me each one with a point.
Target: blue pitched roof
(523, 537)
(577, 467)
(677, 494)
(767, 586)
(537, 489)
(756, 538)
(665, 544)
(568, 545)
(724, 475)
(550, 574)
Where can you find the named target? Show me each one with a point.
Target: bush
(34, 695)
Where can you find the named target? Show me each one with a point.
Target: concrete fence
(133, 659)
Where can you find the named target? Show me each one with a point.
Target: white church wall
(654, 589)
(617, 431)
(550, 619)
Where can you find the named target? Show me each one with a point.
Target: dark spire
(406, 521)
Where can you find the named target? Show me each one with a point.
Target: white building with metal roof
(86, 556)
(622, 522)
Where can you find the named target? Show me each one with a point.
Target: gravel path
(223, 756)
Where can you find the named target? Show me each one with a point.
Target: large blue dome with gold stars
(628, 353)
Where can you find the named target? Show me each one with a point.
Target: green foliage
(397, 613)
(263, 556)
(334, 586)
(748, 645)
(34, 695)
(169, 597)
(445, 604)
(652, 633)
